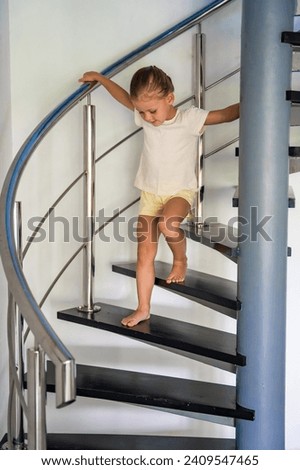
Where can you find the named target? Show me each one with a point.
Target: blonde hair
(149, 80)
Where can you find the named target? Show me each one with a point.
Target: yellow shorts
(153, 204)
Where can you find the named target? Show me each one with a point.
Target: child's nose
(148, 117)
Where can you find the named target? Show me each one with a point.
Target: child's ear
(170, 98)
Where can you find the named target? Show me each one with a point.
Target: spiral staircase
(51, 367)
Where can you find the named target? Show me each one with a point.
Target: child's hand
(90, 77)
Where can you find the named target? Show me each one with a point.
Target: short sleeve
(195, 119)
(137, 118)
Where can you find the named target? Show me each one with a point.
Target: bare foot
(178, 272)
(135, 318)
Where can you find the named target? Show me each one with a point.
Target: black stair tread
(291, 37)
(291, 198)
(197, 285)
(135, 442)
(293, 96)
(294, 151)
(218, 236)
(155, 391)
(167, 332)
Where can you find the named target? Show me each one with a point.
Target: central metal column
(263, 202)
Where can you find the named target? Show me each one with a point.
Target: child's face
(154, 109)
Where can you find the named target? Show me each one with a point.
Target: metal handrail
(45, 336)
(40, 327)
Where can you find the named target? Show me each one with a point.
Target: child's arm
(115, 90)
(223, 115)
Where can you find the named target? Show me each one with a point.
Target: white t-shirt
(169, 155)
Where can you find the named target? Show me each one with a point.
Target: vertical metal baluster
(15, 412)
(36, 385)
(200, 103)
(89, 209)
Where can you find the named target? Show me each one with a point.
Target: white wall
(51, 44)
(6, 156)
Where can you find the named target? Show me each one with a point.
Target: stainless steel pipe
(89, 209)
(15, 413)
(36, 381)
(200, 103)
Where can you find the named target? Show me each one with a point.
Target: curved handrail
(18, 287)
(45, 335)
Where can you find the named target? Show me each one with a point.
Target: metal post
(89, 209)
(200, 103)
(263, 206)
(36, 399)
(16, 418)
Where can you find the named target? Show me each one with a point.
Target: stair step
(58, 441)
(296, 61)
(174, 335)
(293, 96)
(293, 151)
(291, 37)
(135, 442)
(294, 165)
(3, 442)
(295, 115)
(218, 236)
(291, 198)
(180, 396)
(201, 287)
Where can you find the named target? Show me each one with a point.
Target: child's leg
(174, 212)
(145, 275)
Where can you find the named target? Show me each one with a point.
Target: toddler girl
(166, 174)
